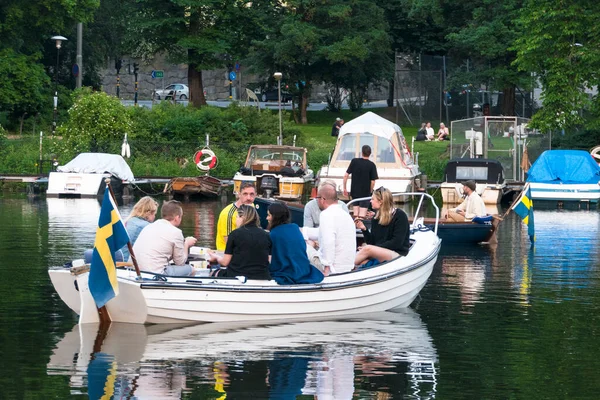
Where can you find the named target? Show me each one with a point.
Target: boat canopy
(388, 145)
(564, 166)
(481, 170)
(99, 163)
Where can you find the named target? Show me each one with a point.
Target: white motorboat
(395, 165)
(138, 352)
(84, 176)
(161, 299)
(565, 176)
(276, 171)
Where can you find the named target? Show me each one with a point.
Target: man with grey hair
(312, 211)
(336, 235)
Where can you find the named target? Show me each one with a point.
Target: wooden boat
(276, 171)
(164, 299)
(395, 165)
(206, 186)
(487, 174)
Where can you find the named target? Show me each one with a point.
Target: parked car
(272, 95)
(181, 92)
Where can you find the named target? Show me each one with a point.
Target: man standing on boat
(228, 216)
(364, 174)
(336, 235)
(473, 206)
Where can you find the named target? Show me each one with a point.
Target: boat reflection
(326, 359)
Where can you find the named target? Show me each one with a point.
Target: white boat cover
(371, 123)
(99, 163)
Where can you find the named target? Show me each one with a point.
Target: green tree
(560, 45)
(340, 42)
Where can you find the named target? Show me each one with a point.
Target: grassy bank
(432, 156)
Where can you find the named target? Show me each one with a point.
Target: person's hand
(345, 193)
(311, 243)
(190, 241)
(360, 225)
(212, 256)
(370, 214)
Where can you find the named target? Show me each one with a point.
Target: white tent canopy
(98, 163)
(370, 123)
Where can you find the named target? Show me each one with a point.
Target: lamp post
(277, 76)
(58, 40)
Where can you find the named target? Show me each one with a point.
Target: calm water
(492, 323)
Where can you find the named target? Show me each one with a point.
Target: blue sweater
(289, 262)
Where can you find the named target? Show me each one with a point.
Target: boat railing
(422, 196)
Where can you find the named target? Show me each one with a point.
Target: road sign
(157, 74)
(237, 66)
(75, 70)
(232, 76)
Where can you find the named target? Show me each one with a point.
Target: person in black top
(335, 129)
(364, 174)
(247, 250)
(389, 236)
(422, 133)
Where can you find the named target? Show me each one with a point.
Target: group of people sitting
(426, 133)
(284, 252)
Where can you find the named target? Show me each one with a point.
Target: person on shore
(336, 235)
(389, 236)
(364, 174)
(247, 250)
(473, 206)
(430, 132)
(142, 215)
(162, 241)
(443, 133)
(289, 261)
(422, 133)
(312, 211)
(228, 216)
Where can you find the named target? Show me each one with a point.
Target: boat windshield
(351, 146)
(262, 157)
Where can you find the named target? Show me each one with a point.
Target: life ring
(205, 159)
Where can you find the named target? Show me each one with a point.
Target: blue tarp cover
(564, 166)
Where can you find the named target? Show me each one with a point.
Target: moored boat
(565, 176)
(487, 174)
(276, 171)
(205, 186)
(390, 153)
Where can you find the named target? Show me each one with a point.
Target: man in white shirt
(162, 241)
(336, 235)
(473, 206)
(312, 211)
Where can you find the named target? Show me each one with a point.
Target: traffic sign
(157, 74)
(237, 66)
(75, 70)
(232, 76)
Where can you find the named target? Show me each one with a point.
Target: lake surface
(493, 322)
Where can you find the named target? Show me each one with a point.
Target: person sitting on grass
(389, 236)
(443, 133)
(247, 249)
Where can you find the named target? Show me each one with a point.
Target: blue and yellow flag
(110, 237)
(524, 208)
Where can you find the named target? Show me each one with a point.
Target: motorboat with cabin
(157, 298)
(565, 176)
(487, 174)
(84, 176)
(389, 151)
(276, 171)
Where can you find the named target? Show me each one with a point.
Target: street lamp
(277, 76)
(58, 40)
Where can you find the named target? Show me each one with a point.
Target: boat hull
(390, 285)
(206, 186)
(565, 192)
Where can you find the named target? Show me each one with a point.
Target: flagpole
(501, 218)
(129, 246)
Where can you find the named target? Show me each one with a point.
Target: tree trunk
(21, 124)
(508, 101)
(390, 99)
(303, 106)
(196, 89)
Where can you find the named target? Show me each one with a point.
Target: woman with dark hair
(389, 236)
(289, 262)
(247, 249)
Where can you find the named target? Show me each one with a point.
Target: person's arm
(366, 233)
(309, 210)
(399, 231)
(346, 175)
(372, 186)
(327, 238)
(181, 249)
(476, 209)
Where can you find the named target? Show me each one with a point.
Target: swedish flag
(524, 208)
(110, 237)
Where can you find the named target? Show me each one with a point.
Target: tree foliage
(560, 44)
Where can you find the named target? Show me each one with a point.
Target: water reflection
(387, 353)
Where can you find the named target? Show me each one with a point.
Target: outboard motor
(268, 185)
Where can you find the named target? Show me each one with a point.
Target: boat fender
(205, 159)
